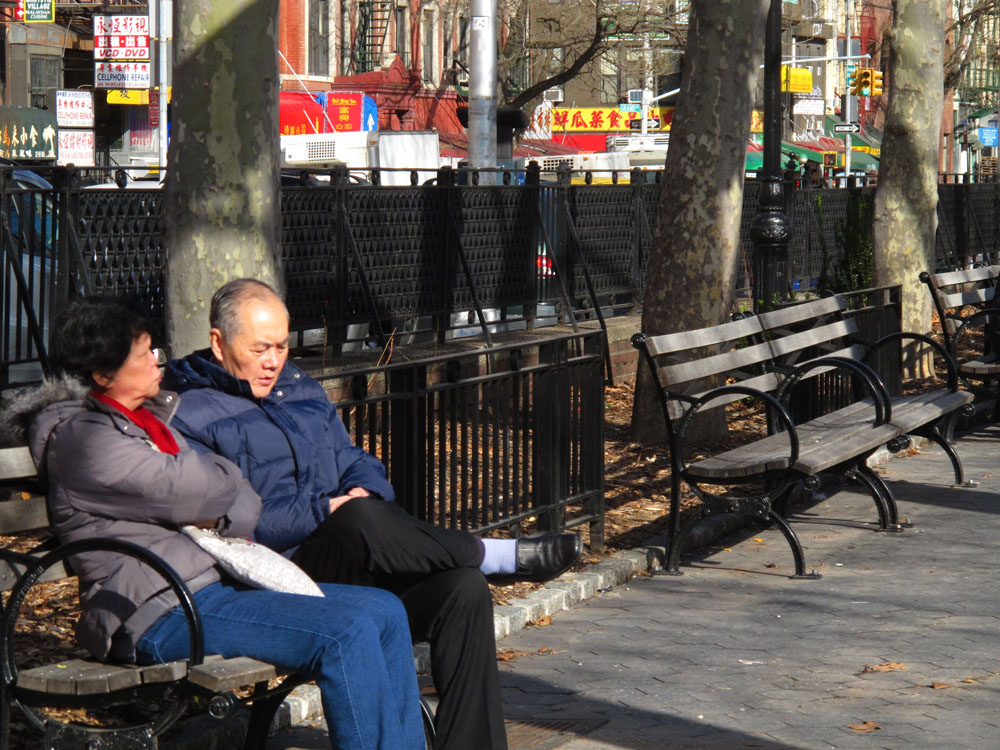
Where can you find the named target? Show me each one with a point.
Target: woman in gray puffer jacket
(116, 470)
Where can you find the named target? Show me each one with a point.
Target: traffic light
(863, 82)
(876, 83)
(852, 79)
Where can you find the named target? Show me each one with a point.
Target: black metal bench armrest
(880, 395)
(937, 346)
(8, 667)
(781, 412)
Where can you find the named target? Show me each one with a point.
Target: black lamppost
(770, 229)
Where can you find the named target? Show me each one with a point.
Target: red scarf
(158, 432)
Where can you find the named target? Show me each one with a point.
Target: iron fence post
(550, 417)
(563, 219)
(636, 178)
(962, 220)
(336, 319)
(407, 440)
(446, 192)
(591, 384)
(532, 181)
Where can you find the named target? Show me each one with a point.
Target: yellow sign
(796, 80)
(134, 96)
(583, 119)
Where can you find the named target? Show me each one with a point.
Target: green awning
(861, 160)
(27, 133)
(754, 161)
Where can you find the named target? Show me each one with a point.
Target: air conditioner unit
(463, 78)
(554, 95)
(323, 150)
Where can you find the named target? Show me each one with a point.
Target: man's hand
(336, 502)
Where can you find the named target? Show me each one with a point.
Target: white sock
(499, 556)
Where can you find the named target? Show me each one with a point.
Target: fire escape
(369, 35)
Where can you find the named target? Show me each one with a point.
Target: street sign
(846, 127)
(652, 123)
(630, 108)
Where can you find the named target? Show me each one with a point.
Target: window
(428, 45)
(44, 72)
(319, 38)
(402, 34)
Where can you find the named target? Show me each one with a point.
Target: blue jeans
(355, 642)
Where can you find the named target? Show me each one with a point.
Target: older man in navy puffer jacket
(243, 400)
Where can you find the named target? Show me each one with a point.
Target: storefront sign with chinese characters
(75, 109)
(581, 119)
(76, 147)
(121, 37)
(121, 75)
(27, 133)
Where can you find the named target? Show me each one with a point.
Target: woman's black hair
(94, 335)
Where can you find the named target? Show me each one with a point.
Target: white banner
(74, 109)
(121, 37)
(121, 75)
(76, 147)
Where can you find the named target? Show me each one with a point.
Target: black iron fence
(482, 440)
(426, 262)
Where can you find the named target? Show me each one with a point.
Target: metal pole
(164, 30)
(851, 102)
(770, 229)
(483, 85)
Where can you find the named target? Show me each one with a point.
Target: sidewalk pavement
(895, 647)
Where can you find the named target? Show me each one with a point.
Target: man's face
(258, 350)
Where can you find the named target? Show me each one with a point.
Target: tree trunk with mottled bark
(695, 255)
(221, 213)
(906, 198)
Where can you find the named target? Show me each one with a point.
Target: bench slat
(786, 316)
(950, 278)
(228, 674)
(703, 367)
(23, 514)
(702, 337)
(16, 463)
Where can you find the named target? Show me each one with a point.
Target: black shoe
(542, 558)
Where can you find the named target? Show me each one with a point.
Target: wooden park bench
(209, 683)
(966, 306)
(826, 411)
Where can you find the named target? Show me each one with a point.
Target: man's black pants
(434, 571)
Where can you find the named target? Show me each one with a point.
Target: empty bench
(768, 360)
(210, 683)
(966, 305)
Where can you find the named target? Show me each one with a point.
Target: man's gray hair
(229, 298)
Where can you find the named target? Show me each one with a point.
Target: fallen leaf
(542, 621)
(510, 655)
(545, 650)
(25, 495)
(940, 685)
(758, 539)
(889, 666)
(987, 476)
(770, 565)
(868, 726)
